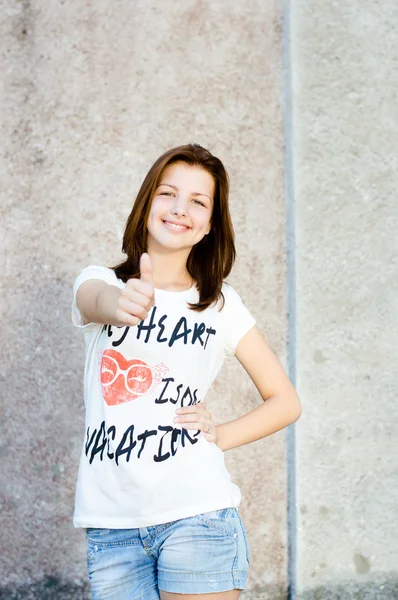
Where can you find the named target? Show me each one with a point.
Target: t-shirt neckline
(182, 292)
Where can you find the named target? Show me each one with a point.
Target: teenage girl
(153, 492)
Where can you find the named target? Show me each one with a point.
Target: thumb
(146, 268)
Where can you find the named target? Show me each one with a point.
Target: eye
(166, 194)
(199, 202)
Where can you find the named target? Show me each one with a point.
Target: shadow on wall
(382, 587)
(51, 588)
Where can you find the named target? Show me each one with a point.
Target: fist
(137, 297)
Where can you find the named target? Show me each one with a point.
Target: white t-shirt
(137, 467)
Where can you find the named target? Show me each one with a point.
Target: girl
(153, 493)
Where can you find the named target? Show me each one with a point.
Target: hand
(197, 417)
(137, 297)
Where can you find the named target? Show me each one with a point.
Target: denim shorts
(198, 555)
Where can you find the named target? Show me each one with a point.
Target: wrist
(220, 441)
(107, 305)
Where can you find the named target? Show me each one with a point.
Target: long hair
(210, 260)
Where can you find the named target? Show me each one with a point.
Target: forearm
(274, 414)
(106, 305)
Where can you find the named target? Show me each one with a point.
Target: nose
(179, 208)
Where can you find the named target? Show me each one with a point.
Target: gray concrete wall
(92, 94)
(307, 127)
(345, 132)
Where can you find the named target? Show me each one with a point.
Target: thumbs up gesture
(137, 297)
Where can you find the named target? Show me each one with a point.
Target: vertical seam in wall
(291, 293)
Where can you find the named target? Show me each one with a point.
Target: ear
(208, 229)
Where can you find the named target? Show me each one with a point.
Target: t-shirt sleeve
(92, 272)
(237, 319)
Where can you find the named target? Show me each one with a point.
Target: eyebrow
(176, 189)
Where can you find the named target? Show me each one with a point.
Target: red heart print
(124, 380)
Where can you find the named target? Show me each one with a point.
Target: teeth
(174, 226)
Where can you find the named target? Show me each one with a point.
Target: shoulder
(230, 294)
(231, 303)
(236, 317)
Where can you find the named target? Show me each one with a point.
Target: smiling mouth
(175, 227)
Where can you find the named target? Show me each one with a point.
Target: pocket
(225, 513)
(92, 550)
(98, 534)
(97, 531)
(244, 537)
(221, 520)
(110, 538)
(247, 546)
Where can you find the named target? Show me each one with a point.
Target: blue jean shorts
(202, 554)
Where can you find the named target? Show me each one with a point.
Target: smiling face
(181, 209)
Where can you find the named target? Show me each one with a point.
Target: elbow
(296, 414)
(290, 407)
(295, 409)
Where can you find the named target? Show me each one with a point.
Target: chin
(167, 244)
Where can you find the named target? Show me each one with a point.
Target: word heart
(198, 333)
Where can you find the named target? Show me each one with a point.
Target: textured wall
(345, 131)
(92, 94)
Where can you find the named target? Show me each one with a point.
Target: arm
(100, 302)
(281, 405)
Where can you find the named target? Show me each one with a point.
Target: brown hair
(210, 260)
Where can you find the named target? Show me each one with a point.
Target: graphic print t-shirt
(137, 467)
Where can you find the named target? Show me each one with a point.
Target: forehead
(189, 178)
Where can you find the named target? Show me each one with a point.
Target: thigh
(119, 567)
(204, 554)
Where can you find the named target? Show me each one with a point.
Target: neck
(170, 270)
